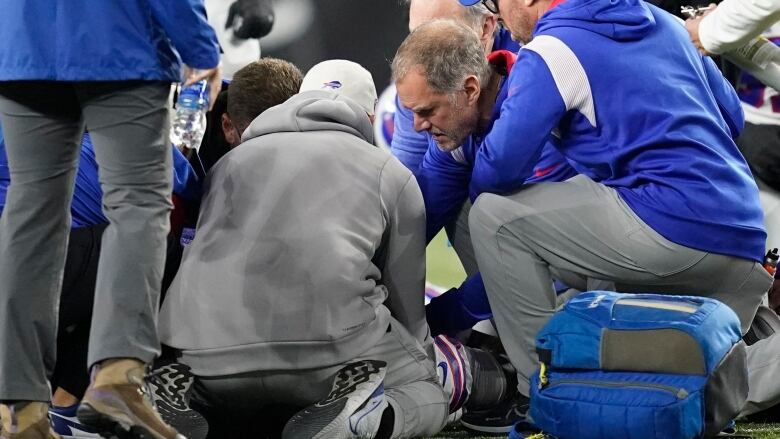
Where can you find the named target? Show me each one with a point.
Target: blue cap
(469, 2)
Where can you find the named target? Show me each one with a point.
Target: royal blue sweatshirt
(444, 176)
(444, 181)
(637, 109)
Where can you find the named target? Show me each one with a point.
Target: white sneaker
(352, 410)
(64, 422)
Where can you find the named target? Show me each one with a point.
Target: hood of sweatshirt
(313, 111)
(620, 20)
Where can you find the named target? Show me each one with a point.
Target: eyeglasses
(491, 5)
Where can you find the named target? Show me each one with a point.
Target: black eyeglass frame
(491, 5)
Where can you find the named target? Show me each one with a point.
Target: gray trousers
(460, 238)
(411, 387)
(43, 123)
(763, 361)
(580, 231)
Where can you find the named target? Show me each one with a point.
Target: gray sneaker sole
(329, 417)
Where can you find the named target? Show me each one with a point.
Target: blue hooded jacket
(104, 40)
(444, 177)
(637, 109)
(444, 181)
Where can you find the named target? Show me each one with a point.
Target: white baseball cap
(344, 78)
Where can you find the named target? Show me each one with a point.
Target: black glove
(255, 18)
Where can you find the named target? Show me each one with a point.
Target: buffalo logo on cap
(333, 85)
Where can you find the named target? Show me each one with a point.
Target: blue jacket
(444, 177)
(408, 145)
(637, 109)
(86, 207)
(85, 40)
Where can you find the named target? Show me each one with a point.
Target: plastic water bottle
(759, 57)
(189, 124)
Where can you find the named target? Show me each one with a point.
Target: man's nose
(421, 124)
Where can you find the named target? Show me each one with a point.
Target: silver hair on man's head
(475, 15)
(445, 52)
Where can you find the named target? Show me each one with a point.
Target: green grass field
(444, 269)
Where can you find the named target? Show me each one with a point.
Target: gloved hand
(459, 308)
(250, 18)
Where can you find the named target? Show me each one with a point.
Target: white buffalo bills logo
(333, 85)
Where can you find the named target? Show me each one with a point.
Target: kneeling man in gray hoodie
(303, 286)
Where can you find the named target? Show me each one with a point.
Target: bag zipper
(678, 392)
(657, 304)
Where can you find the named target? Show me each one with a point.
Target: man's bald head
(423, 11)
(476, 18)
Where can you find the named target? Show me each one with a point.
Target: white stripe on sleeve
(568, 74)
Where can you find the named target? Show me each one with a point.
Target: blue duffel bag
(639, 366)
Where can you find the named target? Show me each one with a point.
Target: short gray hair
(475, 15)
(445, 52)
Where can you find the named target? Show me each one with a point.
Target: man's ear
(472, 87)
(489, 28)
(230, 132)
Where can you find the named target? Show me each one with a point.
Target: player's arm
(460, 308)
(185, 24)
(444, 182)
(735, 22)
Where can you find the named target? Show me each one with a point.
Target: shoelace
(142, 386)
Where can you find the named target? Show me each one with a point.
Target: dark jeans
(78, 296)
(76, 302)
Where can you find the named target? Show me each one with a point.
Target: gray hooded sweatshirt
(309, 239)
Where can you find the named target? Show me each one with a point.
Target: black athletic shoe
(498, 419)
(171, 385)
(352, 409)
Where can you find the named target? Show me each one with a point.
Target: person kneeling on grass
(303, 287)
